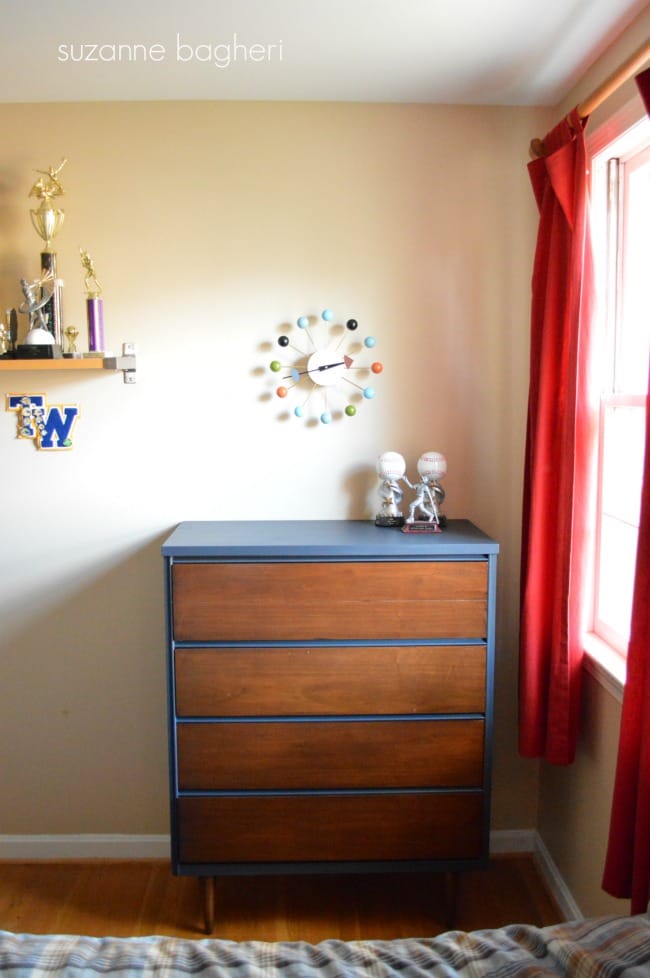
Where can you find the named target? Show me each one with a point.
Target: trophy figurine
(429, 494)
(390, 469)
(94, 304)
(37, 297)
(47, 220)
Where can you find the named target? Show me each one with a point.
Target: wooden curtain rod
(607, 88)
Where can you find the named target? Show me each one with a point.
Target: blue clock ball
(303, 322)
(298, 411)
(369, 393)
(327, 315)
(326, 417)
(370, 341)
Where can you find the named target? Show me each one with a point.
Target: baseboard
(94, 846)
(555, 882)
(506, 841)
(63, 847)
(58, 848)
(529, 840)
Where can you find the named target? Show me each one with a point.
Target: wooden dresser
(330, 697)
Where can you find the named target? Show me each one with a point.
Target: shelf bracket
(125, 363)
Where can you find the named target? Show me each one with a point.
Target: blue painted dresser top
(324, 539)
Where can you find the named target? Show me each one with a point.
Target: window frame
(629, 129)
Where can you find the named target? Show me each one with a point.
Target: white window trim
(604, 663)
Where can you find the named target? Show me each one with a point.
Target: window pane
(633, 340)
(616, 577)
(622, 462)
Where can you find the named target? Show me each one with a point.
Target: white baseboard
(555, 882)
(505, 841)
(58, 848)
(62, 847)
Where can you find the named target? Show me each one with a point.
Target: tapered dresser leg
(208, 885)
(451, 899)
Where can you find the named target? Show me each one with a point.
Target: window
(620, 174)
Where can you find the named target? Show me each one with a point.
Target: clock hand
(345, 362)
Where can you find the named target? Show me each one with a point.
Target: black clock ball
(283, 341)
(352, 324)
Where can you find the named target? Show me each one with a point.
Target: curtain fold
(557, 466)
(627, 864)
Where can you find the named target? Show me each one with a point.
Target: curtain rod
(607, 88)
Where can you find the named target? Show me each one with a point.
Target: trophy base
(389, 520)
(425, 526)
(38, 351)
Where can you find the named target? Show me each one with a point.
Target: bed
(607, 947)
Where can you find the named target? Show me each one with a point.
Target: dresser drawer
(332, 681)
(308, 601)
(310, 828)
(330, 754)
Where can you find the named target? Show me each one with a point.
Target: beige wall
(211, 224)
(575, 802)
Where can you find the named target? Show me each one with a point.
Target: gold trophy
(47, 220)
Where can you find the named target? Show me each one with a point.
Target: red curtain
(627, 865)
(558, 446)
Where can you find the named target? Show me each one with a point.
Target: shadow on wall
(84, 702)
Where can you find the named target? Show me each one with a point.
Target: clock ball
(327, 315)
(390, 465)
(370, 341)
(303, 322)
(352, 324)
(369, 393)
(298, 411)
(433, 465)
(350, 410)
(326, 417)
(275, 366)
(282, 392)
(377, 367)
(283, 341)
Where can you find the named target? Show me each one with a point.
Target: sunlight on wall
(211, 225)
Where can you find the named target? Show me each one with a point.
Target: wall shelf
(124, 363)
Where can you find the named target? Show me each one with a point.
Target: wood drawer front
(309, 828)
(330, 754)
(306, 601)
(331, 681)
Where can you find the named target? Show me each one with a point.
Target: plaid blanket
(612, 947)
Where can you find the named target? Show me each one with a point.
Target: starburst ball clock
(323, 370)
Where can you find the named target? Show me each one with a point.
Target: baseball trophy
(47, 220)
(390, 469)
(94, 305)
(424, 510)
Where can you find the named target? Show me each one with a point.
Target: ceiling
(508, 52)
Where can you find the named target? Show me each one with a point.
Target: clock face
(326, 371)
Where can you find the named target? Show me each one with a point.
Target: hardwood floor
(123, 899)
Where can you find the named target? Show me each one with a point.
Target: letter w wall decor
(48, 425)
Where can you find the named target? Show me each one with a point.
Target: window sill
(606, 665)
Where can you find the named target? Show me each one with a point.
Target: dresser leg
(208, 886)
(451, 899)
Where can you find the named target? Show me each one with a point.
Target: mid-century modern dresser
(330, 697)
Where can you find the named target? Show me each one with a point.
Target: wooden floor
(123, 899)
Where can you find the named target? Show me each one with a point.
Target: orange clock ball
(377, 367)
(282, 392)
